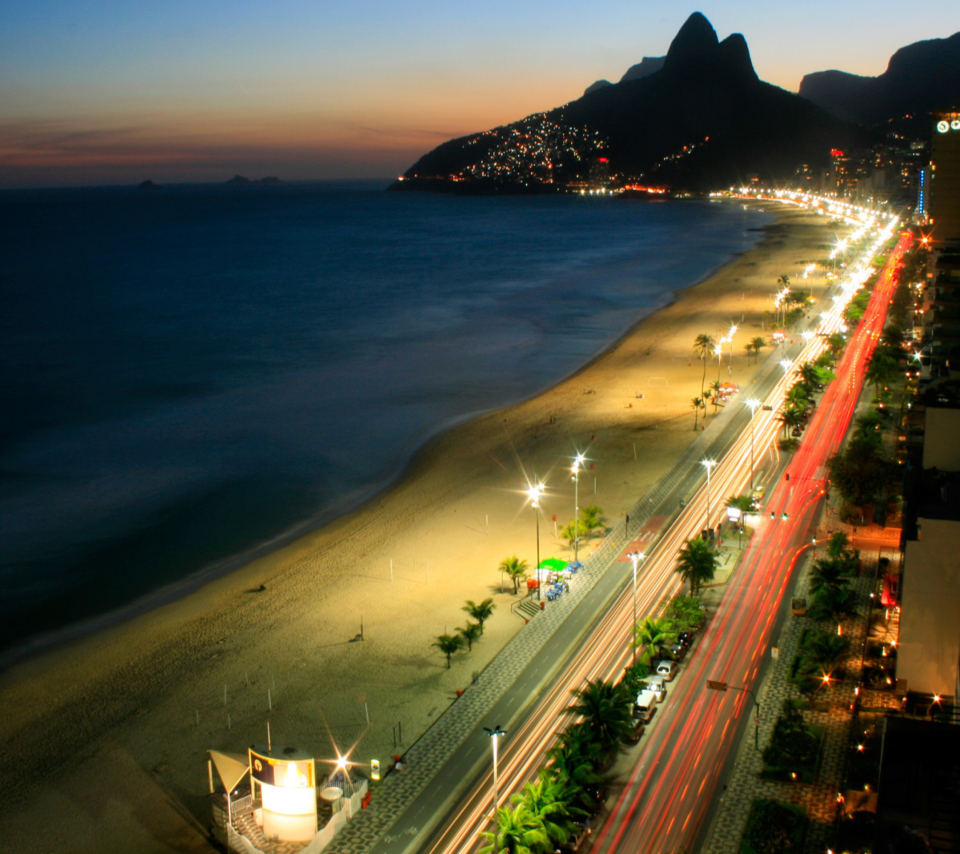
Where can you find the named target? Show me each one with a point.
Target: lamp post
(708, 464)
(635, 558)
(753, 403)
(534, 492)
(577, 462)
(786, 364)
(730, 334)
(495, 734)
(718, 352)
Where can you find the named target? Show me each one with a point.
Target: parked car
(685, 639)
(667, 670)
(658, 684)
(645, 706)
(638, 726)
(674, 652)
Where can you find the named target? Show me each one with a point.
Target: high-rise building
(943, 203)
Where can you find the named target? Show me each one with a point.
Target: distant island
(148, 185)
(242, 181)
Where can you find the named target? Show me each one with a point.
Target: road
(663, 806)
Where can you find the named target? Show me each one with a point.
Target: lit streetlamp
(495, 734)
(730, 334)
(534, 493)
(753, 403)
(708, 465)
(577, 462)
(635, 558)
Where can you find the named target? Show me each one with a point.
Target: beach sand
(105, 740)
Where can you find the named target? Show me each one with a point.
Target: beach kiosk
(283, 779)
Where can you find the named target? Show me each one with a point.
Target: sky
(108, 92)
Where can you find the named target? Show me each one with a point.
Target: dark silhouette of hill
(920, 77)
(647, 66)
(703, 121)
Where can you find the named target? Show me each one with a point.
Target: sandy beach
(105, 740)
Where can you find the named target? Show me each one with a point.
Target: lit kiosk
(287, 789)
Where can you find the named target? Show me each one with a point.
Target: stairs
(528, 607)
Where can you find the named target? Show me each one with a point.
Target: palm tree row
(449, 644)
(544, 814)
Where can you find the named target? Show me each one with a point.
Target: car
(767, 407)
(645, 706)
(638, 727)
(796, 432)
(685, 639)
(657, 684)
(667, 670)
(675, 652)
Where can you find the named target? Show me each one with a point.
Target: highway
(665, 800)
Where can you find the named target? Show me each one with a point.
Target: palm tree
(697, 402)
(518, 832)
(546, 799)
(809, 374)
(790, 417)
(743, 503)
(715, 390)
(606, 712)
(591, 517)
(827, 574)
(703, 346)
(576, 759)
(448, 645)
(835, 343)
(653, 635)
(758, 344)
(833, 604)
(469, 633)
(515, 568)
(798, 397)
(838, 544)
(828, 648)
(696, 563)
(572, 531)
(882, 370)
(480, 611)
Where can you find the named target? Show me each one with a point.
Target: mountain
(647, 66)
(920, 77)
(704, 120)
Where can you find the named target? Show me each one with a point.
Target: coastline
(125, 702)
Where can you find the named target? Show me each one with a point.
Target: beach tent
(231, 767)
(553, 564)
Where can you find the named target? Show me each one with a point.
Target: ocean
(194, 374)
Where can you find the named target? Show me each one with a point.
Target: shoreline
(129, 697)
(172, 592)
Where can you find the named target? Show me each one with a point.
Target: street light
(635, 558)
(534, 493)
(708, 464)
(753, 403)
(786, 364)
(718, 352)
(495, 734)
(730, 334)
(577, 462)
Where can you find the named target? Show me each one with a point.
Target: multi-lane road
(666, 798)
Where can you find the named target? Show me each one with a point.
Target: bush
(684, 613)
(794, 746)
(773, 828)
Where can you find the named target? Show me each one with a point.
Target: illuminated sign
(943, 125)
(285, 773)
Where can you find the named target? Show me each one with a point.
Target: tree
(469, 633)
(861, 472)
(743, 503)
(573, 531)
(606, 710)
(653, 634)
(749, 348)
(833, 604)
(835, 344)
(448, 645)
(518, 832)
(576, 760)
(809, 374)
(789, 417)
(546, 799)
(697, 402)
(591, 517)
(827, 574)
(703, 346)
(480, 611)
(696, 563)
(685, 613)
(515, 568)
(800, 397)
(758, 344)
(883, 369)
(792, 744)
(828, 648)
(715, 395)
(770, 827)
